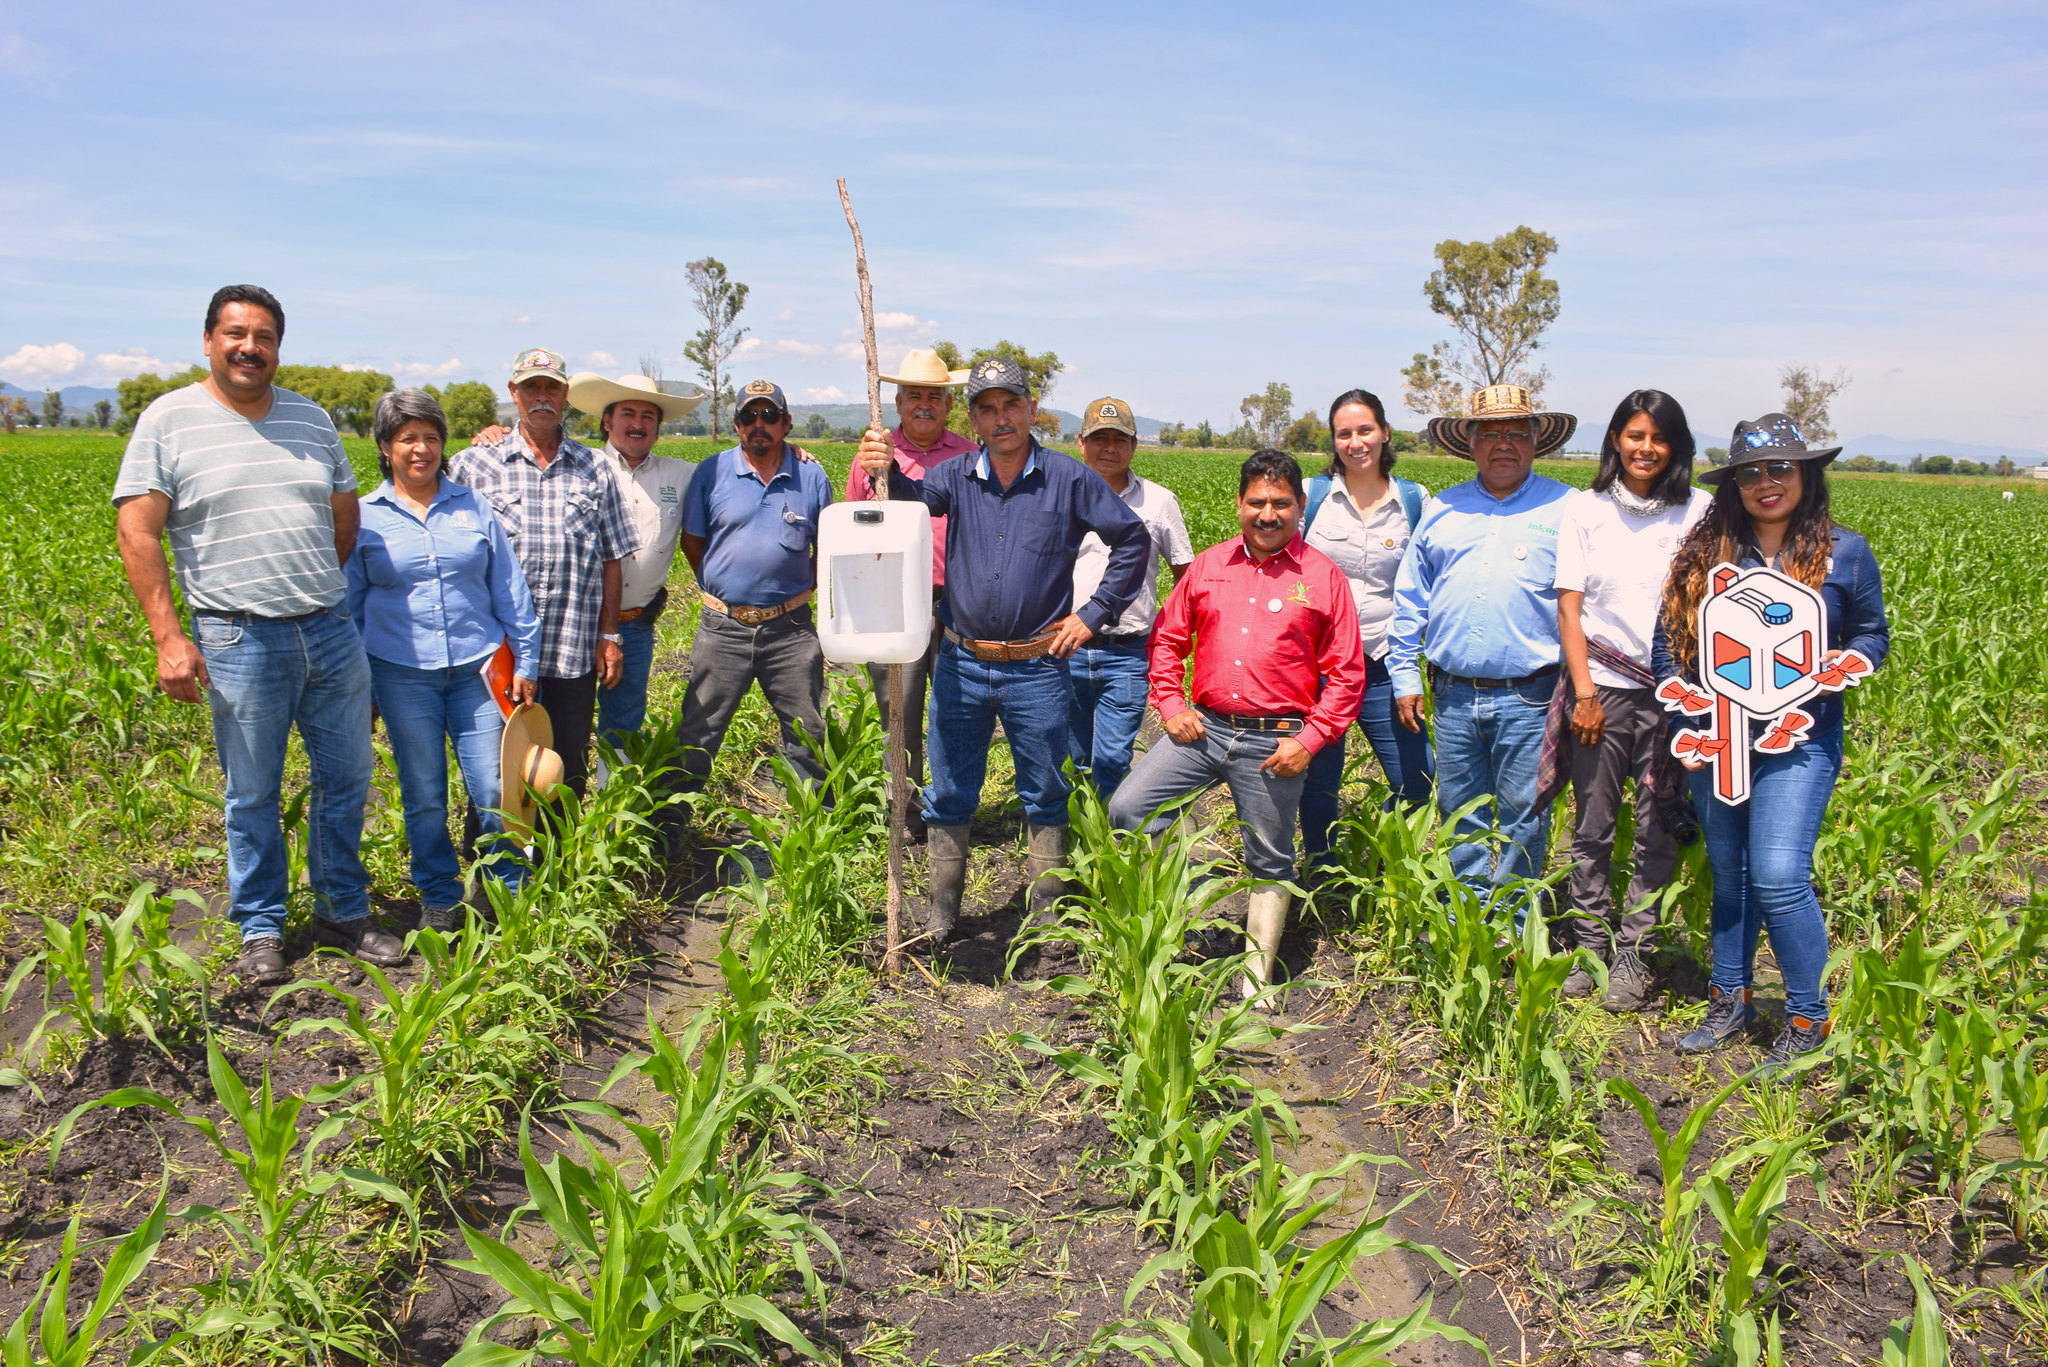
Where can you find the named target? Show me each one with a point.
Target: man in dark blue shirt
(1017, 514)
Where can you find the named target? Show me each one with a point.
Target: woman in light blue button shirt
(434, 588)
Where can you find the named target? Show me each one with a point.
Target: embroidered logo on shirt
(461, 518)
(1299, 594)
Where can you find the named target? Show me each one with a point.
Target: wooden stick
(892, 956)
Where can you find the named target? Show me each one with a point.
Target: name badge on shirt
(668, 493)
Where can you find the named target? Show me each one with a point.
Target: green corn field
(610, 1168)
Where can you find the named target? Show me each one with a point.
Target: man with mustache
(251, 484)
(561, 507)
(1279, 672)
(630, 413)
(750, 530)
(924, 400)
(1017, 513)
(1476, 593)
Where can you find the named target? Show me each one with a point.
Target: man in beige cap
(631, 410)
(1109, 669)
(924, 399)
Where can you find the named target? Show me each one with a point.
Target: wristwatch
(611, 636)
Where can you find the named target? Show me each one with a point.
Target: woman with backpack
(1614, 547)
(1360, 516)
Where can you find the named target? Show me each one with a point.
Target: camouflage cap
(997, 372)
(539, 363)
(1109, 415)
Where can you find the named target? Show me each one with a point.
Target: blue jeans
(1109, 703)
(1489, 743)
(1171, 772)
(1761, 853)
(622, 708)
(425, 709)
(1404, 758)
(265, 677)
(1033, 698)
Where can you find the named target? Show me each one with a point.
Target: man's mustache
(925, 414)
(538, 407)
(245, 358)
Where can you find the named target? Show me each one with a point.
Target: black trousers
(917, 677)
(570, 704)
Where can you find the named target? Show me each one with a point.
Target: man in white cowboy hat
(631, 410)
(924, 400)
(1476, 596)
(750, 530)
(561, 507)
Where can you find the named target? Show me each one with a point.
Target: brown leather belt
(1442, 676)
(1000, 652)
(650, 609)
(753, 617)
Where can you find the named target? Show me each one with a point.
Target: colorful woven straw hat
(1501, 403)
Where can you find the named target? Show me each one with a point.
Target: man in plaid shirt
(568, 525)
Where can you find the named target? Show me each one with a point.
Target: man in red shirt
(1278, 674)
(924, 398)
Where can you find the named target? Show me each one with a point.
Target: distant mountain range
(78, 398)
(1893, 448)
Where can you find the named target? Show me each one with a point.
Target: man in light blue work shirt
(750, 530)
(1476, 595)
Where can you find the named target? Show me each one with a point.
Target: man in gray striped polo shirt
(258, 498)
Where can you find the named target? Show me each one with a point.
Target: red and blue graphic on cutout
(1763, 637)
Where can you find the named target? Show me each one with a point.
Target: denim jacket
(1854, 595)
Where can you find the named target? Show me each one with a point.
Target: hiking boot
(446, 920)
(261, 963)
(1628, 983)
(1802, 1036)
(946, 874)
(361, 939)
(1579, 983)
(1729, 1015)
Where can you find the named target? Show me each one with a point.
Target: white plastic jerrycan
(875, 582)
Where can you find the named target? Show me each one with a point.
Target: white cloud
(831, 393)
(517, 319)
(135, 360)
(787, 347)
(32, 364)
(423, 370)
(747, 347)
(908, 324)
(602, 360)
(851, 351)
(786, 316)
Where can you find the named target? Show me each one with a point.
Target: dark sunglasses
(764, 417)
(1756, 472)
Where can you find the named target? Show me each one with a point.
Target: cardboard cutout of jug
(1763, 642)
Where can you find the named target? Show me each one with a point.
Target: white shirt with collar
(653, 495)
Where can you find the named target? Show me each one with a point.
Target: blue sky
(1185, 201)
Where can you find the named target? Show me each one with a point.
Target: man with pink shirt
(1277, 662)
(924, 396)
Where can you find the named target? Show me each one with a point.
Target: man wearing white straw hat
(1476, 594)
(924, 400)
(631, 410)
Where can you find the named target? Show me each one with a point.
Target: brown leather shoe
(261, 962)
(362, 939)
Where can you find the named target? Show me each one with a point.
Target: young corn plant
(431, 1043)
(1542, 1097)
(144, 982)
(1919, 1341)
(1952, 1086)
(1256, 1284)
(289, 1288)
(2024, 1088)
(1670, 1266)
(1170, 1028)
(1745, 1234)
(1461, 968)
(57, 1342)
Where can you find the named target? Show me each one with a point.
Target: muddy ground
(971, 1198)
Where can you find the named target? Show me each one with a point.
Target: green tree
(102, 413)
(1243, 437)
(1807, 397)
(53, 408)
(144, 390)
(1498, 301)
(1306, 433)
(1205, 435)
(1268, 414)
(1170, 434)
(470, 406)
(816, 427)
(719, 299)
(1716, 455)
(349, 396)
(13, 411)
(1040, 371)
(2004, 468)
(1932, 465)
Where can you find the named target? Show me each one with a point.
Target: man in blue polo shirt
(1018, 513)
(750, 531)
(1476, 593)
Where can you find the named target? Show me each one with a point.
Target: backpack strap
(1411, 500)
(1318, 490)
